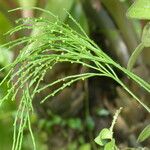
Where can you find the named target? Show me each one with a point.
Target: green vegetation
(52, 42)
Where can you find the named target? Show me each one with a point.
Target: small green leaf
(102, 112)
(133, 58)
(99, 141)
(144, 134)
(103, 137)
(140, 10)
(90, 123)
(106, 134)
(145, 43)
(110, 145)
(75, 123)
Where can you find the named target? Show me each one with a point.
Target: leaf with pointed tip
(140, 10)
(144, 134)
(146, 35)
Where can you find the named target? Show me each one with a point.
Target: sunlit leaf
(106, 134)
(144, 134)
(110, 145)
(103, 137)
(99, 141)
(140, 10)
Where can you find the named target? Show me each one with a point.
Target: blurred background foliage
(73, 119)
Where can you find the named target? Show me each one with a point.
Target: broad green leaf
(146, 35)
(144, 134)
(140, 10)
(110, 145)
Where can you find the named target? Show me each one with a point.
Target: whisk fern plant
(55, 42)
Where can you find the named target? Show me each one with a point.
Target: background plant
(66, 47)
(138, 10)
